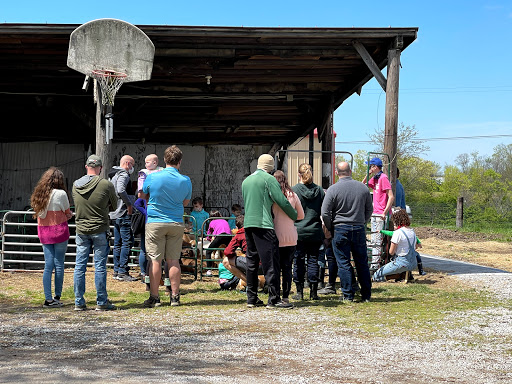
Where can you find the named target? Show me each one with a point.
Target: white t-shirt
(401, 241)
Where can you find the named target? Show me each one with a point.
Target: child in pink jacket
(286, 232)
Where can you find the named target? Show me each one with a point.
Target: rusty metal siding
(226, 167)
(216, 172)
(24, 163)
(192, 164)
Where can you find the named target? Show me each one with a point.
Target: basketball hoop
(109, 81)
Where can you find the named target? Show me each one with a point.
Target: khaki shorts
(164, 240)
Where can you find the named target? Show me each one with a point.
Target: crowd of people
(279, 236)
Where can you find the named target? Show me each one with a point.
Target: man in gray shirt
(121, 217)
(346, 209)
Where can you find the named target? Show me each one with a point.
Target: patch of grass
(415, 310)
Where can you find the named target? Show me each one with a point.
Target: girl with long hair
(286, 232)
(403, 245)
(51, 208)
(309, 231)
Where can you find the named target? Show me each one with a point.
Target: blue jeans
(53, 259)
(143, 263)
(352, 239)
(123, 242)
(399, 265)
(311, 249)
(84, 243)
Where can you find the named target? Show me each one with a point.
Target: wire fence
(433, 214)
(444, 214)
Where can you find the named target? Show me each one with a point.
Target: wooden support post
(104, 151)
(459, 221)
(391, 120)
(311, 148)
(328, 158)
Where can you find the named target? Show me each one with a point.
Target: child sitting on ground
(227, 280)
(418, 257)
(403, 244)
(237, 265)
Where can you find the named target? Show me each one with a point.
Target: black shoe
(313, 289)
(115, 276)
(280, 305)
(257, 303)
(175, 300)
(126, 277)
(52, 304)
(152, 302)
(328, 290)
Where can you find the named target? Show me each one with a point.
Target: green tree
(501, 161)
(358, 167)
(408, 144)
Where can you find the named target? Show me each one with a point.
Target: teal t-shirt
(167, 189)
(224, 273)
(199, 217)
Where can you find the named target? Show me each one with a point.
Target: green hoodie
(311, 197)
(94, 197)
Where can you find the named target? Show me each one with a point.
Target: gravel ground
(259, 345)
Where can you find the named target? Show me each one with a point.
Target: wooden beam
(391, 119)
(370, 63)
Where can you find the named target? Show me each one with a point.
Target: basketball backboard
(111, 44)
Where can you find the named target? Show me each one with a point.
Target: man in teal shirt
(260, 191)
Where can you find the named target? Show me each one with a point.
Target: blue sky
(455, 79)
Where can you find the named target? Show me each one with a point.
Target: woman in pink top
(51, 208)
(219, 233)
(286, 232)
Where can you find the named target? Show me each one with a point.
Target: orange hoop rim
(108, 73)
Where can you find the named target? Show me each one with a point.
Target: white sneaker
(209, 273)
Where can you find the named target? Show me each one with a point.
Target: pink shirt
(218, 226)
(286, 231)
(52, 224)
(380, 197)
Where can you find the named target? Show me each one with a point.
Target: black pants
(262, 245)
(285, 261)
(216, 243)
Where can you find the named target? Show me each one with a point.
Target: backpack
(138, 223)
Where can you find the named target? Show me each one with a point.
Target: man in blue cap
(383, 200)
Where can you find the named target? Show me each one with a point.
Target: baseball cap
(93, 161)
(375, 161)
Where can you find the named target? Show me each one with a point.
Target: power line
(499, 88)
(431, 139)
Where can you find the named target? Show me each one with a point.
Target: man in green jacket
(93, 198)
(260, 190)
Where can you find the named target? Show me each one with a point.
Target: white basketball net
(109, 81)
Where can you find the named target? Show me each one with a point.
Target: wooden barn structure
(223, 94)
